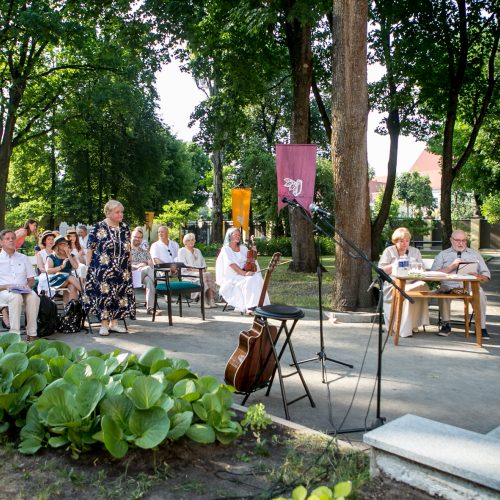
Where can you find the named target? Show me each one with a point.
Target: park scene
(249, 250)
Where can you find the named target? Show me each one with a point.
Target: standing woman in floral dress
(109, 294)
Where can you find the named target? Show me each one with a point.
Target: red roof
(429, 164)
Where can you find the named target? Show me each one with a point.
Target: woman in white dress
(192, 258)
(413, 315)
(240, 289)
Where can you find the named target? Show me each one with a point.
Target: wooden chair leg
(466, 317)
(169, 306)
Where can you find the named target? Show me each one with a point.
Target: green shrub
(74, 399)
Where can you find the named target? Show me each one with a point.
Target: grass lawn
(295, 289)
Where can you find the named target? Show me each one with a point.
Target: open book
(20, 289)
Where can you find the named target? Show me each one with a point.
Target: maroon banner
(296, 173)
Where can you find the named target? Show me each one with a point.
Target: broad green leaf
(63, 416)
(111, 365)
(145, 392)
(229, 433)
(4, 427)
(97, 365)
(17, 347)
(208, 383)
(58, 394)
(21, 378)
(201, 433)
(49, 353)
(32, 434)
(58, 441)
(342, 490)
(165, 402)
(6, 400)
(150, 427)
(179, 424)
(16, 362)
(186, 389)
(59, 365)
(212, 402)
(77, 373)
(113, 437)
(88, 396)
(200, 410)
(299, 493)
(129, 377)
(38, 365)
(62, 348)
(118, 408)
(9, 338)
(36, 384)
(178, 374)
(78, 354)
(113, 388)
(152, 355)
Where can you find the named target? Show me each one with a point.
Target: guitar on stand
(244, 368)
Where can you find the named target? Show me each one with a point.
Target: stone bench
(438, 458)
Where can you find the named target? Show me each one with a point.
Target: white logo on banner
(295, 187)
(239, 218)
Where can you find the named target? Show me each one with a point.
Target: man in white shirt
(83, 236)
(16, 272)
(164, 250)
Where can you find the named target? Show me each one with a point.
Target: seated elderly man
(17, 278)
(142, 262)
(164, 250)
(448, 262)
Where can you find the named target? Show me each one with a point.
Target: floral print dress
(108, 291)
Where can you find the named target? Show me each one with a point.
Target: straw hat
(59, 240)
(44, 236)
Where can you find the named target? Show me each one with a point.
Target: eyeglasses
(459, 241)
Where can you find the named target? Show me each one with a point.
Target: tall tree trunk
(217, 161)
(53, 181)
(349, 151)
(298, 39)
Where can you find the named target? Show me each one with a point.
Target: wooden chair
(169, 282)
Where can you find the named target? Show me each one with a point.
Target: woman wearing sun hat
(59, 267)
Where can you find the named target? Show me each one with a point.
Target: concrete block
(459, 455)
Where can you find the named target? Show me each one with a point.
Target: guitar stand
(283, 314)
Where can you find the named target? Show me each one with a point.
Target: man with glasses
(448, 261)
(164, 250)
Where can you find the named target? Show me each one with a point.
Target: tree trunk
(298, 39)
(447, 179)
(349, 151)
(217, 161)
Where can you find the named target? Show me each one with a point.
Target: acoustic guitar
(254, 348)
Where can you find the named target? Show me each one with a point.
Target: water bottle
(403, 265)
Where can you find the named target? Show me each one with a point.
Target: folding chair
(168, 280)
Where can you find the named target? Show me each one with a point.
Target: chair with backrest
(171, 282)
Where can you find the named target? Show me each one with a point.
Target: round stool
(279, 312)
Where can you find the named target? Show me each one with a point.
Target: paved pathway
(450, 380)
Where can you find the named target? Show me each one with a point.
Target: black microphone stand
(382, 277)
(321, 355)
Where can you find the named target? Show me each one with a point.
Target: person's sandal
(31, 338)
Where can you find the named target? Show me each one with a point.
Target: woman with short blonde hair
(193, 258)
(413, 315)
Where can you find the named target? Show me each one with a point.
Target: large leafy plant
(61, 397)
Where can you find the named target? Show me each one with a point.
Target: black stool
(282, 314)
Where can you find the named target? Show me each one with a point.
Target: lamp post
(149, 222)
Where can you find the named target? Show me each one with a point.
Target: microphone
(317, 210)
(459, 254)
(294, 203)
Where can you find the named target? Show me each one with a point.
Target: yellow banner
(241, 207)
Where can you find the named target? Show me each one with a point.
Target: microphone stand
(321, 355)
(382, 277)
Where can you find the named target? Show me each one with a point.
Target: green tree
(415, 190)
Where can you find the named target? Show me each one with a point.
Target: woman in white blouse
(413, 315)
(192, 258)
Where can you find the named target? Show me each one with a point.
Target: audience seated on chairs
(46, 244)
(448, 261)
(59, 266)
(413, 315)
(78, 252)
(239, 288)
(164, 250)
(193, 258)
(17, 278)
(143, 263)
(144, 243)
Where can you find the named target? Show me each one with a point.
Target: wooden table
(468, 281)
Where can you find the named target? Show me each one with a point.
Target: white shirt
(83, 241)
(15, 269)
(163, 252)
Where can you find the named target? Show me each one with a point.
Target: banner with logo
(241, 207)
(296, 173)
